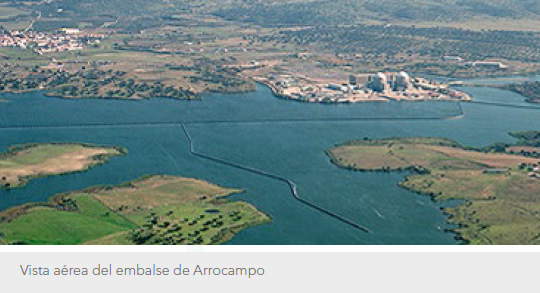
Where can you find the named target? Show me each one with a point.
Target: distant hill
(307, 11)
(138, 14)
(104, 7)
(295, 12)
(276, 12)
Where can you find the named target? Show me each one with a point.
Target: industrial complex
(380, 86)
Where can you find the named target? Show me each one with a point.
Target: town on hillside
(67, 39)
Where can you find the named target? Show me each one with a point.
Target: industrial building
(383, 82)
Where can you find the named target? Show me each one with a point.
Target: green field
(46, 225)
(21, 55)
(502, 191)
(151, 210)
(24, 162)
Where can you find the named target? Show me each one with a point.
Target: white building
(452, 58)
(70, 31)
(388, 82)
(488, 64)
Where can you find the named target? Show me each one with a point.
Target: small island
(151, 210)
(499, 184)
(24, 162)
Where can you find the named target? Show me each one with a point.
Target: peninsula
(500, 190)
(150, 210)
(24, 162)
(531, 90)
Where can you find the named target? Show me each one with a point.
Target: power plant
(383, 82)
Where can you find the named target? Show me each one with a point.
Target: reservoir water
(283, 137)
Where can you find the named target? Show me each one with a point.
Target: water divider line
(497, 104)
(277, 120)
(308, 120)
(460, 114)
(89, 125)
(290, 183)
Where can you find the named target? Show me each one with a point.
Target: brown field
(489, 159)
(367, 157)
(399, 156)
(49, 159)
(518, 149)
(164, 189)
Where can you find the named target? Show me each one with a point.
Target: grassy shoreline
(154, 209)
(498, 188)
(24, 162)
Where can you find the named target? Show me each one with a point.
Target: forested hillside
(354, 11)
(299, 12)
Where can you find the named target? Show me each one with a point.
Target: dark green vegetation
(414, 49)
(528, 138)
(531, 90)
(353, 11)
(24, 162)
(88, 84)
(126, 71)
(129, 17)
(501, 190)
(531, 138)
(437, 41)
(298, 12)
(528, 145)
(151, 210)
(72, 13)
